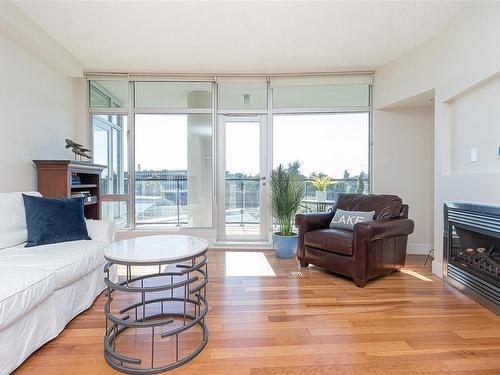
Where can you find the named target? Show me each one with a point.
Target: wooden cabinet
(66, 178)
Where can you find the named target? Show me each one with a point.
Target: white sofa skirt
(43, 323)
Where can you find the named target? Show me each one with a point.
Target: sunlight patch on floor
(415, 274)
(246, 263)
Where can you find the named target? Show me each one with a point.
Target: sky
(161, 142)
(327, 143)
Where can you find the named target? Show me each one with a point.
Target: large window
(242, 95)
(109, 140)
(108, 94)
(320, 96)
(326, 145)
(110, 149)
(173, 153)
(173, 95)
(173, 175)
(156, 139)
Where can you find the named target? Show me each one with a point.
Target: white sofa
(42, 288)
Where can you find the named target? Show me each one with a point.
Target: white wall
(403, 164)
(39, 105)
(463, 56)
(475, 118)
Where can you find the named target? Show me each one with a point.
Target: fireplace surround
(472, 251)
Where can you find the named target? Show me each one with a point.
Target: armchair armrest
(306, 223)
(101, 230)
(312, 221)
(382, 229)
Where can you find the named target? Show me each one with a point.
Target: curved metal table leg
(190, 279)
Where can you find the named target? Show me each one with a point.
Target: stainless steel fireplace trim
(479, 221)
(476, 294)
(450, 217)
(489, 290)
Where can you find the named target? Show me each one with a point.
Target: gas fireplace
(472, 251)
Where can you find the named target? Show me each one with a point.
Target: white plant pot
(321, 196)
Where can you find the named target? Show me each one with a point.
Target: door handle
(263, 178)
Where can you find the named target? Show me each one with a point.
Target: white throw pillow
(347, 219)
(13, 219)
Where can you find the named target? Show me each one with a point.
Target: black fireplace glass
(475, 252)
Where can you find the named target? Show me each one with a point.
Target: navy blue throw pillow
(53, 220)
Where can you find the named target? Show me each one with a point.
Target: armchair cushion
(333, 240)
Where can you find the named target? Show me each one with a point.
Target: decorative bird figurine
(70, 143)
(77, 149)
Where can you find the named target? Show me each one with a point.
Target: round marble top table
(169, 297)
(153, 250)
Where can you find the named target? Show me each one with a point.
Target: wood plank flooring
(307, 321)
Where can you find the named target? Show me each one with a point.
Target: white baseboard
(418, 248)
(437, 269)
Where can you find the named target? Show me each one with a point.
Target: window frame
(131, 110)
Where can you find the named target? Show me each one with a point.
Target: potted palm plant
(321, 183)
(287, 191)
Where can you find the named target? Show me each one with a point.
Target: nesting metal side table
(175, 293)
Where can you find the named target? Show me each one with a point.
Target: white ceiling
(239, 36)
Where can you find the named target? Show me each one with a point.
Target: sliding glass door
(242, 178)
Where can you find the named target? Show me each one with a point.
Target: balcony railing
(161, 201)
(242, 200)
(165, 200)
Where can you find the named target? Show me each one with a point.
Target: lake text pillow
(347, 219)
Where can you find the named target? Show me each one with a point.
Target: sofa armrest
(313, 221)
(101, 230)
(382, 229)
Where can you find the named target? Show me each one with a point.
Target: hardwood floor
(307, 321)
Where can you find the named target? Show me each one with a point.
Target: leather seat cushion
(333, 240)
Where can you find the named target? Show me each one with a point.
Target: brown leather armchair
(372, 249)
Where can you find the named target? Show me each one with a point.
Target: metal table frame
(194, 279)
